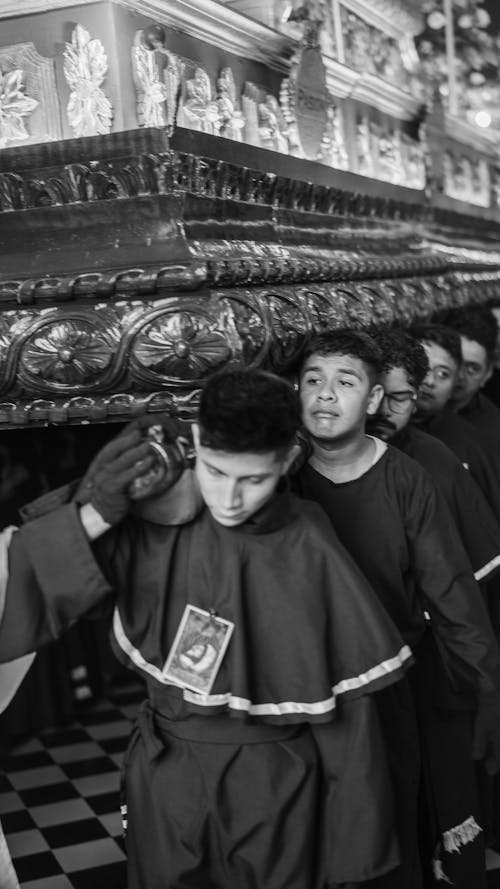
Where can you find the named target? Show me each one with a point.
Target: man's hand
(487, 732)
(109, 476)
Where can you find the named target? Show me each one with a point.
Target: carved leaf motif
(67, 352)
(152, 92)
(181, 346)
(85, 66)
(14, 106)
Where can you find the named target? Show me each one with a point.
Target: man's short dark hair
(400, 349)
(355, 343)
(441, 335)
(248, 411)
(476, 323)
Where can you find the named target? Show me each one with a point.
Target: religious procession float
(190, 184)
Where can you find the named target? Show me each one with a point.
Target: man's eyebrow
(342, 370)
(314, 367)
(249, 475)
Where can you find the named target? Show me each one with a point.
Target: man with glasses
(434, 413)
(390, 517)
(405, 368)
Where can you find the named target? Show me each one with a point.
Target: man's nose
(231, 495)
(327, 393)
(384, 408)
(429, 379)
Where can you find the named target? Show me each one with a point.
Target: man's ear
(375, 397)
(196, 435)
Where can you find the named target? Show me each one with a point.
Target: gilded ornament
(180, 346)
(85, 67)
(231, 120)
(157, 77)
(199, 110)
(15, 105)
(66, 353)
(272, 126)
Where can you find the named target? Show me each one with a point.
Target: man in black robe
(389, 515)
(436, 416)
(405, 366)
(477, 329)
(265, 766)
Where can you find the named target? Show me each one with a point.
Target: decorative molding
(397, 18)
(157, 77)
(15, 106)
(85, 66)
(40, 83)
(198, 109)
(343, 82)
(464, 132)
(220, 26)
(95, 363)
(12, 9)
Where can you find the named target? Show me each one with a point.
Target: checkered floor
(59, 801)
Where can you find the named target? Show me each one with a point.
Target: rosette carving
(179, 347)
(66, 354)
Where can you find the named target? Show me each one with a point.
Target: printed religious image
(198, 649)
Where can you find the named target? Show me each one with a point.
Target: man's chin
(383, 431)
(229, 521)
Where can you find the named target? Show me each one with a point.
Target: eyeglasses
(398, 402)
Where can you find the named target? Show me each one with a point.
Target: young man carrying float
(405, 367)
(477, 329)
(389, 516)
(264, 767)
(435, 414)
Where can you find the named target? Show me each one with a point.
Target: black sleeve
(451, 596)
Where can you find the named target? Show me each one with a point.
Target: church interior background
(187, 185)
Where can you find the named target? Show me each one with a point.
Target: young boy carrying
(256, 760)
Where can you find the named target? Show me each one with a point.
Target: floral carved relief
(15, 106)
(67, 353)
(183, 346)
(85, 67)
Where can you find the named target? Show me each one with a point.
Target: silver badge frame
(204, 629)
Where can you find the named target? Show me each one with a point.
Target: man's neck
(343, 462)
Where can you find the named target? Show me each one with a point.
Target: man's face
(439, 382)
(474, 373)
(397, 405)
(337, 394)
(235, 486)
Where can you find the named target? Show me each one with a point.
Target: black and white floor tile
(59, 801)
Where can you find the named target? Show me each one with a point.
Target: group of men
(313, 610)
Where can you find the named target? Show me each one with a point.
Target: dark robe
(278, 776)
(485, 417)
(465, 442)
(492, 387)
(68, 672)
(399, 530)
(476, 524)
